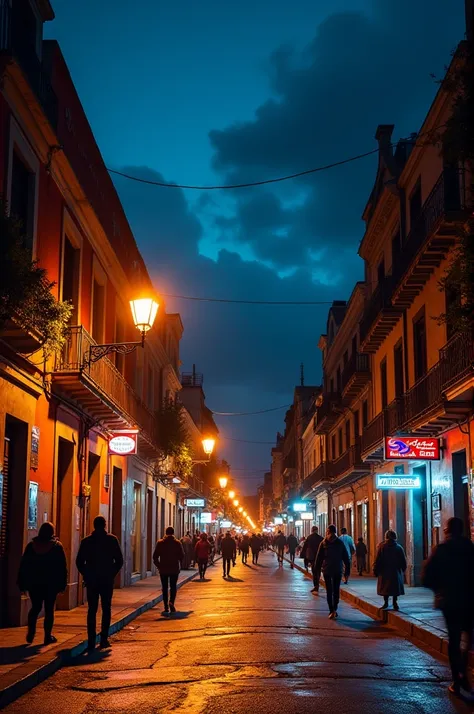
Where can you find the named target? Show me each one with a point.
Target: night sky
(230, 92)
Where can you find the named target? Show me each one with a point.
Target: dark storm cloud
(359, 71)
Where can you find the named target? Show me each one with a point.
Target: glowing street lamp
(245, 514)
(208, 444)
(236, 503)
(241, 509)
(223, 481)
(144, 311)
(231, 494)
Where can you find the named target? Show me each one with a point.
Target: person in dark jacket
(99, 560)
(309, 552)
(229, 553)
(255, 547)
(361, 555)
(168, 557)
(389, 568)
(244, 548)
(203, 551)
(43, 574)
(280, 542)
(332, 557)
(449, 572)
(292, 544)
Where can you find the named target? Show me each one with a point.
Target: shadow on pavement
(18, 654)
(179, 615)
(88, 657)
(230, 579)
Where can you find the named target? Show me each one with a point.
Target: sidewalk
(416, 618)
(23, 666)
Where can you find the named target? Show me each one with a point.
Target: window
(98, 308)
(348, 433)
(333, 447)
(71, 277)
(22, 197)
(398, 367)
(341, 447)
(419, 345)
(365, 413)
(356, 424)
(415, 205)
(383, 383)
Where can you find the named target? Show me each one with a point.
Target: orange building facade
(393, 369)
(56, 417)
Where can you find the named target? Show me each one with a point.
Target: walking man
(244, 548)
(280, 542)
(255, 546)
(292, 544)
(168, 557)
(449, 572)
(99, 560)
(350, 547)
(229, 553)
(332, 557)
(309, 552)
(203, 551)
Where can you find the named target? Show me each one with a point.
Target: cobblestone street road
(259, 643)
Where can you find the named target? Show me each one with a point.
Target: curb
(26, 676)
(407, 626)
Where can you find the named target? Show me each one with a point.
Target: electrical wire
(261, 411)
(248, 302)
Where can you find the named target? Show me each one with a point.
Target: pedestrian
(194, 543)
(449, 572)
(330, 560)
(99, 560)
(212, 546)
(187, 543)
(43, 574)
(389, 568)
(292, 544)
(361, 555)
(350, 547)
(203, 550)
(244, 548)
(168, 557)
(309, 552)
(219, 542)
(255, 547)
(280, 542)
(229, 552)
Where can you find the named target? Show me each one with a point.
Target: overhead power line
(249, 302)
(260, 411)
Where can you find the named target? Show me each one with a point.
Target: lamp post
(223, 483)
(144, 312)
(208, 444)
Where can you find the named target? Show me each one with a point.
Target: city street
(258, 642)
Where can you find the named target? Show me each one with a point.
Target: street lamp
(231, 494)
(223, 481)
(208, 444)
(144, 312)
(241, 509)
(236, 503)
(245, 514)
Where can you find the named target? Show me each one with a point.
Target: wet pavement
(256, 643)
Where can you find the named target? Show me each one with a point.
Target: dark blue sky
(226, 92)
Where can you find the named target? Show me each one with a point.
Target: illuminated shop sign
(298, 523)
(123, 443)
(194, 502)
(226, 524)
(206, 518)
(412, 447)
(278, 521)
(306, 516)
(387, 481)
(299, 507)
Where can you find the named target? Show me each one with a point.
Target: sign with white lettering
(194, 502)
(398, 483)
(412, 447)
(299, 507)
(123, 443)
(205, 518)
(306, 516)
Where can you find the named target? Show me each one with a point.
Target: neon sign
(412, 447)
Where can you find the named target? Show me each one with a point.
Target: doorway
(136, 528)
(162, 519)
(117, 494)
(93, 471)
(401, 519)
(461, 490)
(420, 525)
(64, 503)
(13, 486)
(149, 530)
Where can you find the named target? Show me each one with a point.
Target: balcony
(101, 391)
(355, 376)
(349, 463)
(431, 237)
(192, 379)
(328, 413)
(380, 316)
(317, 477)
(13, 42)
(437, 401)
(194, 486)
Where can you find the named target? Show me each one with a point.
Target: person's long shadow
(178, 615)
(86, 657)
(230, 579)
(18, 654)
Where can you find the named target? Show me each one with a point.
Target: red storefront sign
(123, 443)
(412, 447)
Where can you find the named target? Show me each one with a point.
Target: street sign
(306, 516)
(123, 443)
(206, 518)
(386, 482)
(278, 520)
(226, 524)
(299, 507)
(194, 502)
(412, 447)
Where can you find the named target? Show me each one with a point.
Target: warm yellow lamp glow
(231, 494)
(144, 313)
(208, 444)
(241, 509)
(245, 514)
(223, 481)
(236, 503)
